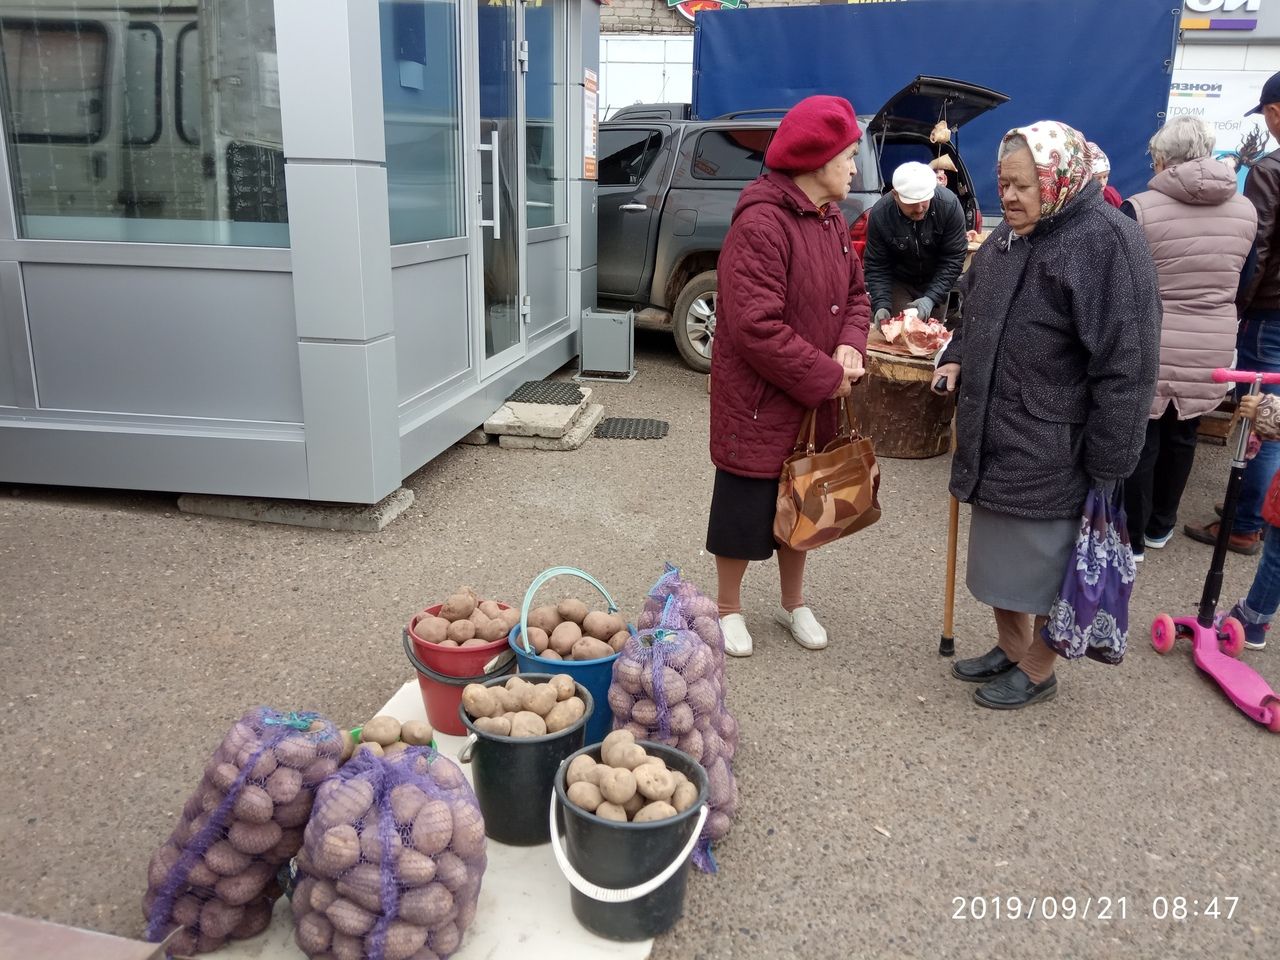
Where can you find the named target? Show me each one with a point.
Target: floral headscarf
(1100, 162)
(1063, 162)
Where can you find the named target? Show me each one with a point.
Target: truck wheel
(693, 321)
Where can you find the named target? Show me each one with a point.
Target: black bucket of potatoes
(514, 759)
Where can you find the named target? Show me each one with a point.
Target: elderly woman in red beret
(791, 335)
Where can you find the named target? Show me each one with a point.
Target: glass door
(501, 173)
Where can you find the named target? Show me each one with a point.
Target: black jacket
(925, 255)
(1059, 349)
(1261, 289)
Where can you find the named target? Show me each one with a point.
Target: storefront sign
(1230, 21)
(691, 8)
(1221, 98)
(590, 125)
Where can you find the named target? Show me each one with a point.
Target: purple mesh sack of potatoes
(392, 861)
(216, 874)
(666, 689)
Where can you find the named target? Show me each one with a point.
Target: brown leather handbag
(825, 496)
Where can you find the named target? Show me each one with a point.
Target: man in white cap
(915, 245)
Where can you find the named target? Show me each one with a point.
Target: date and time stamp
(1096, 909)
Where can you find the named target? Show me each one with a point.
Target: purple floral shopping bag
(1090, 617)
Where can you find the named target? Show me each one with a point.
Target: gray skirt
(1015, 563)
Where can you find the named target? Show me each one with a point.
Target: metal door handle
(494, 174)
(634, 207)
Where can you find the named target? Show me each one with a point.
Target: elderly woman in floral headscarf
(1056, 361)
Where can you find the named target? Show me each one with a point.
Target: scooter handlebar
(1223, 375)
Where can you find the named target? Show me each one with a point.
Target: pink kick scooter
(1216, 645)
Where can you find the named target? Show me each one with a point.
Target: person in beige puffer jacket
(1200, 230)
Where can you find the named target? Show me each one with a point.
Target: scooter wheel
(1274, 724)
(1163, 633)
(1231, 637)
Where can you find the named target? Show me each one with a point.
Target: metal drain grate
(558, 393)
(627, 428)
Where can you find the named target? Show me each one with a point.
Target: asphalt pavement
(883, 813)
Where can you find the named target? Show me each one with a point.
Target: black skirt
(742, 512)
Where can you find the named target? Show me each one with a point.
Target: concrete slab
(476, 438)
(524, 901)
(536, 419)
(579, 433)
(361, 518)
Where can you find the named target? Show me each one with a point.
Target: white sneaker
(737, 640)
(804, 626)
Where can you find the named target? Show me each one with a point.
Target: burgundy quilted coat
(790, 291)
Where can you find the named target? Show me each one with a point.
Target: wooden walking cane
(947, 645)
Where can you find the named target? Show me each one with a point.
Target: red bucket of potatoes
(452, 644)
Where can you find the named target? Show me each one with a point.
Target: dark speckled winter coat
(1058, 351)
(790, 292)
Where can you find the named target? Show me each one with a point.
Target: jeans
(1152, 494)
(1258, 351)
(1264, 595)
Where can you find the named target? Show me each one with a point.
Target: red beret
(812, 132)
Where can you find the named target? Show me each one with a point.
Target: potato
(476, 642)
(362, 885)
(619, 640)
(658, 810)
(596, 624)
(550, 654)
(544, 618)
(511, 698)
(581, 768)
(451, 644)
(681, 720)
(617, 785)
(444, 939)
(243, 887)
(480, 701)
(284, 784)
(627, 673)
(257, 917)
(674, 689)
(572, 609)
(492, 631)
(370, 747)
(295, 751)
(589, 648)
(565, 714)
(429, 905)
(460, 631)
(509, 617)
(286, 847)
(348, 746)
(526, 724)
(201, 875)
(451, 871)
(539, 698)
(349, 918)
(468, 831)
(403, 940)
(339, 849)
(223, 776)
(416, 732)
(611, 811)
(163, 861)
(342, 802)
(621, 750)
(431, 629)
(347, 947)
(313, 933)
(225, 860)
(498, 726)
(295, 813)
(585, 795)
(635, 804)
(490, 608)
(432, 828)
(645, 712)
(415, 868)
(564, 686)
(479, 618)
(538, 639)
(691, 743)
(254, 804)
(458, 607)
(254, 838)
(217, 919)
(685, 796)
(564, 637)
(654, 782)
(382, 730)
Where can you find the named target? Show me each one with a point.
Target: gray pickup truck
(667, 187)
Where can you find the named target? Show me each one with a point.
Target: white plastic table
(524, 901)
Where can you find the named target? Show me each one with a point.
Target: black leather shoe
(983, 668)
(1014, 690)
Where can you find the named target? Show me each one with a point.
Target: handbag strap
(809, 426)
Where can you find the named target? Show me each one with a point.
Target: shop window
(626, 156)
(731, 154)
(97, 149)
(422, 121)
(546, 106)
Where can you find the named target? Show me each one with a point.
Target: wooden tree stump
(894, 406)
